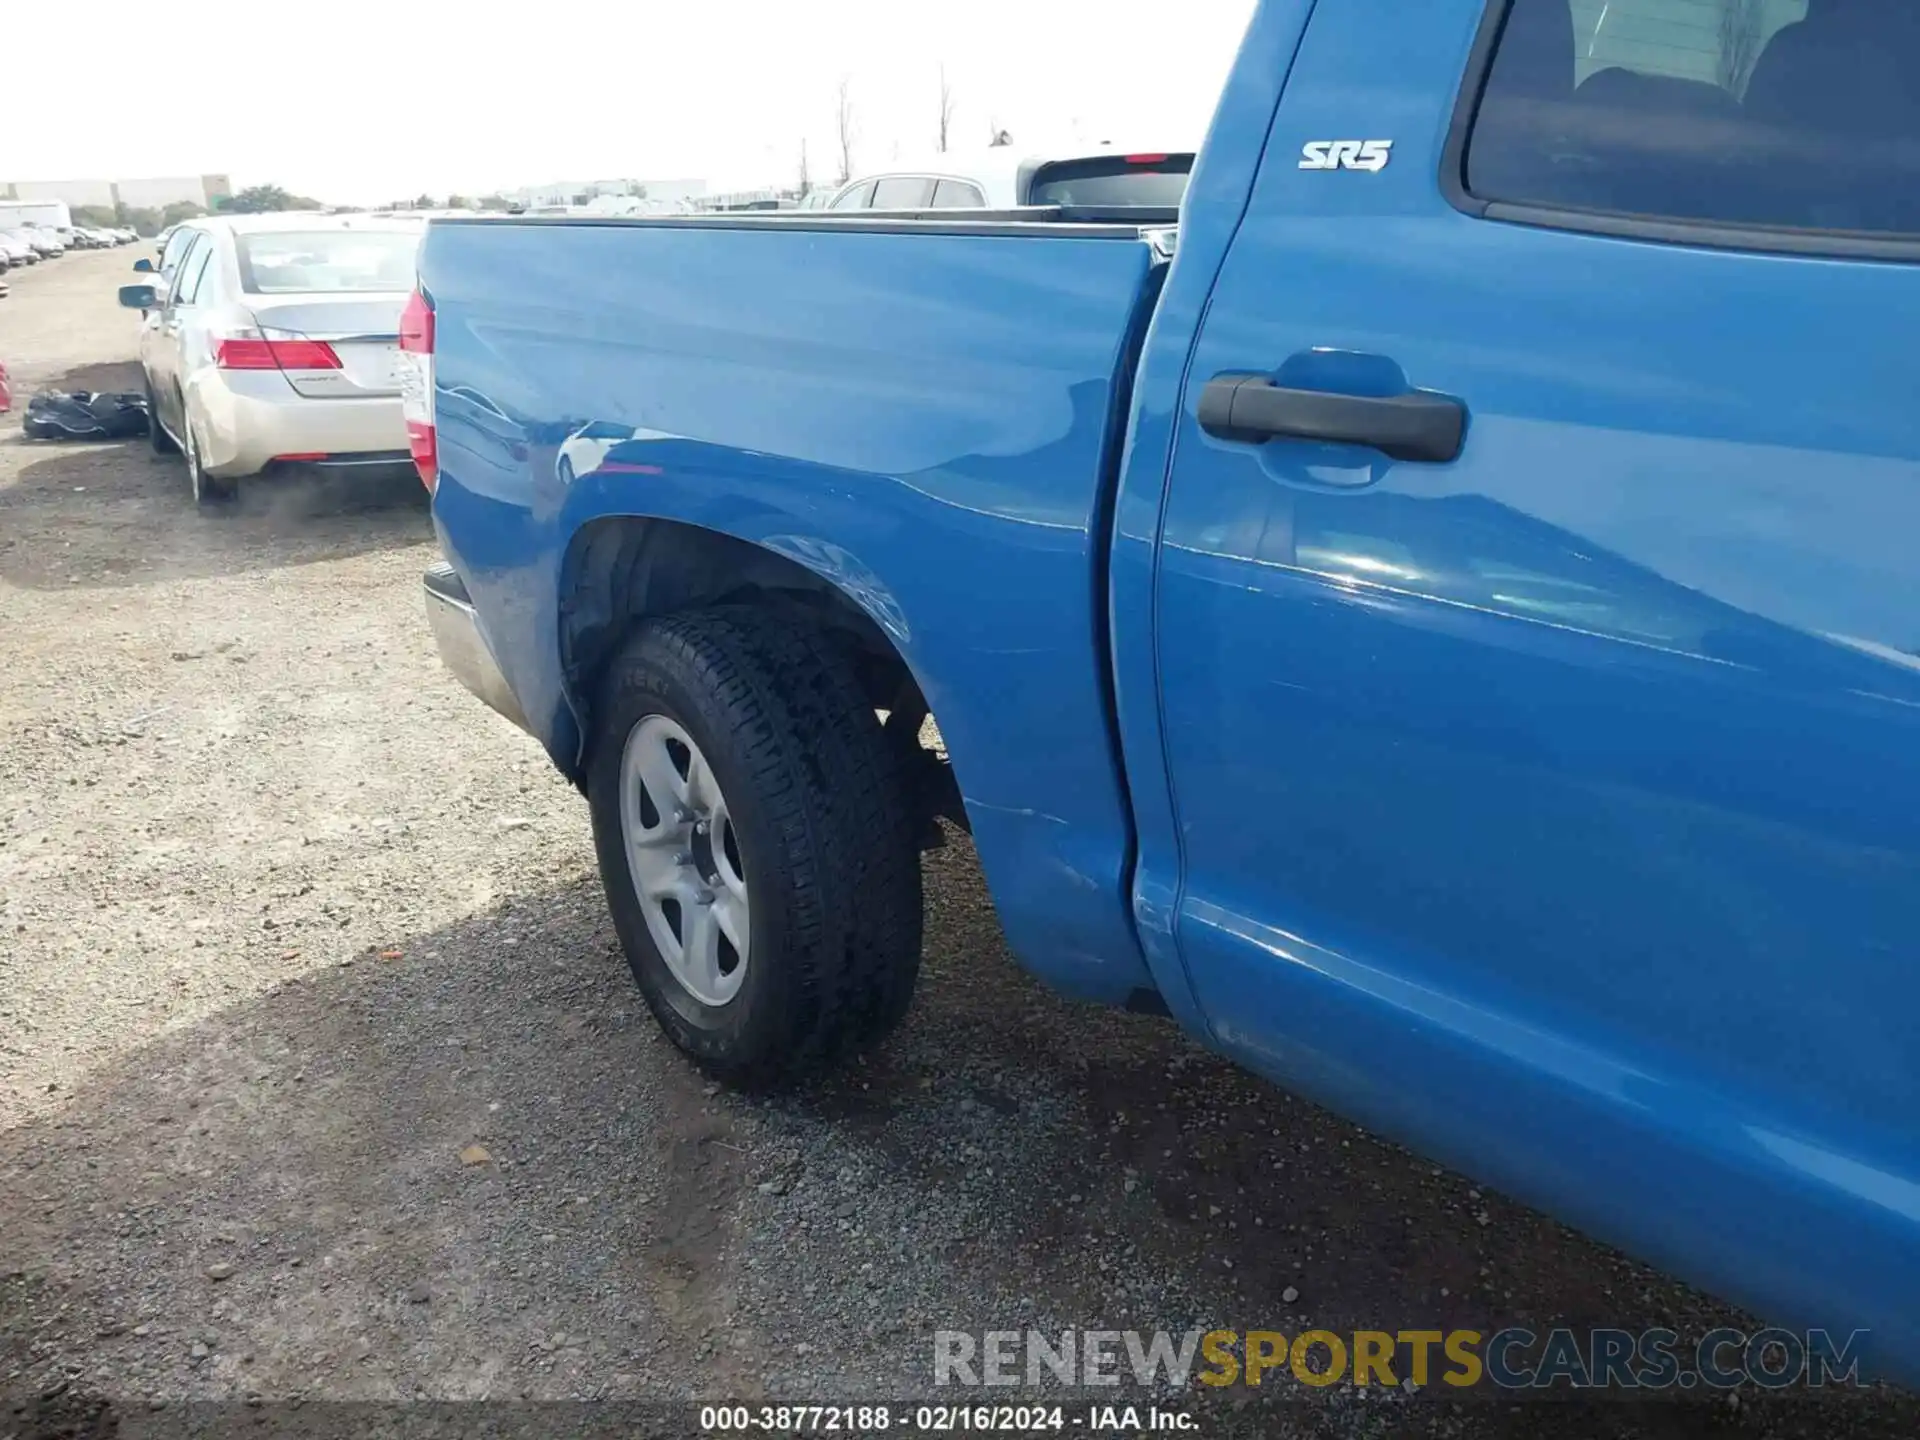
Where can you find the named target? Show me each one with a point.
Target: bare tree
(1741, 32)
(806, 176)
(998, 136)
(946, 109)
(848, 129)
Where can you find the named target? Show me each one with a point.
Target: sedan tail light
(416, 386)
(259, 351)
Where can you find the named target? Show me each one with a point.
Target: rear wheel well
(625, 569)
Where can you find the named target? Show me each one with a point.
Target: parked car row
(99, 237)
(29, 244)
(1003, 178)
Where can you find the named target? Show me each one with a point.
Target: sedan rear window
(903, 192)
(1156, 180)
(289, 261)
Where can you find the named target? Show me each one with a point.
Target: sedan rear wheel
(208, 490)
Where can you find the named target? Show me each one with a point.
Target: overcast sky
(369, 100)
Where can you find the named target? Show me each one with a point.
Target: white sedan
(271, 341)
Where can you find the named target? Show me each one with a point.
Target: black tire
(825, 831)
(209, 492)
(157, 437)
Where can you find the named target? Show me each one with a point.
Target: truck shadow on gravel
(114, 514)
(469, 1166)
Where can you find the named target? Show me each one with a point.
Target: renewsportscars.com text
(1511, 1359)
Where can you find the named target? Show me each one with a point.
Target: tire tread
(830, 789)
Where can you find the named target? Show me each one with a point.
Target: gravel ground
(322, 1079)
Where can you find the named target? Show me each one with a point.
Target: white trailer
(47, 214)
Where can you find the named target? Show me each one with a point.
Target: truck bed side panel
(923, 419)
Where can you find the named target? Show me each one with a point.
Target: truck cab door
(1538, 623)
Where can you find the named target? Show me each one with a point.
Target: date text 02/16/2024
(940, 1419)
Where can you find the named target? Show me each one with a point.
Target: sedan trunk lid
(363, 330)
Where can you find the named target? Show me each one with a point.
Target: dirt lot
(289, 925)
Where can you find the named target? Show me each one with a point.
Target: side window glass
(957, 195)
(193, 274)
(856, 198)
(176, 250)
(1784, 114)
(174, 277)
(903, 192)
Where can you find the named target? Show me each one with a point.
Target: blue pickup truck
(1442, 622)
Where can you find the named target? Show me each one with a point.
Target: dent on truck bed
(925, 421)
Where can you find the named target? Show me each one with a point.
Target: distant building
(155, 194)
(766, 199)
(672, 193)
(74, 192)
(198, 190)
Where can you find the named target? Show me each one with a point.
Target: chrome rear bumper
(462, 647)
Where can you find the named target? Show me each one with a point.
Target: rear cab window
(278, 262)
(1790, 124)
(1159, 181)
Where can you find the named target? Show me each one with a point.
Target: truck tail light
(256, 351)
(416, 386)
